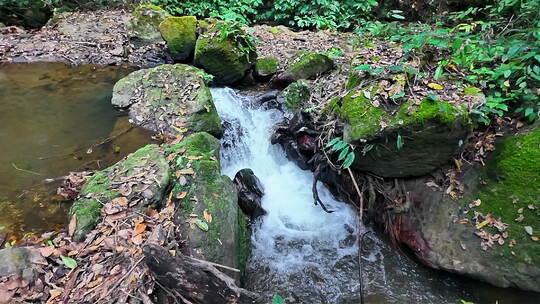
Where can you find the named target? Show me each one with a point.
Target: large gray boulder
(228, 57)
(208, 213)
(415, 140)
(492, 234)
(168, 99)
(139, 180)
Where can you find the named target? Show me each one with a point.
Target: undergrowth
(495, 49)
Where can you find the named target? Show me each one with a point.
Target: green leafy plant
(346, 151)
(399, 142)
(277, 300)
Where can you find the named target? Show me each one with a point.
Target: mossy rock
(310, 65)
(226, 57)
(440, 229)
(169, 99)
(98, 190)
(207, 190)
(429, 134)
(145, 20)
(296, 94)
(266, 67)
(510, 183)
(181, 36)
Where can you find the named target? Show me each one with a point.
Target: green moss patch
(267, 66)
(363, 118)
(296, 94)
(310, 65)
(180, 34)
(145, 21)
(510, 190)
(226, 57)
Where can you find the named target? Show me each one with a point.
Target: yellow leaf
(435, 86)
(207, 216)
(482, 224)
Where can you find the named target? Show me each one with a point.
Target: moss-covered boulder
(142, 177)
(224, 50)
(296, 94)
(208, 210)
(181, 36)
(413, 141)
(310, 65)
(266, 67)
(145, 20)
(492, 234)
(168, 99)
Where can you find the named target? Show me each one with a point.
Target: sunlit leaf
(69, 262)
(343, 153)
(348, 160)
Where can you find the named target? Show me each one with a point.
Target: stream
(53, 120)
(309, 256)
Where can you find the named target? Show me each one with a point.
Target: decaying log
(196, 281)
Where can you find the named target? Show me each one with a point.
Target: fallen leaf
(435, 86)
(534, 238)
(186, 171)
(181, 195)
(69, 262)
(122, 201)
(475, 203)
(201, 224)
(528, 229)
(138, 239)
(531, 207)
(72, 225)
(520, 218)
(207, 216)
(139, 228)
(46, 251)
(116, 270)
(111, 208)
(482, 224)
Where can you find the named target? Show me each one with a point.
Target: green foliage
(321, 14)
(276, 299)
(346, 151)
(240, 11)
(497, 54)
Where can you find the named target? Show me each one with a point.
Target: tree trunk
(196, 281)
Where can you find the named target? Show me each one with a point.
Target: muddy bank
(97, 37)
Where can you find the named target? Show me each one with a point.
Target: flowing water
(50, 117)
(309, 256)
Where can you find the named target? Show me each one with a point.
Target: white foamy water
(295, 233)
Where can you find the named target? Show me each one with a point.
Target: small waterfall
(309, 256)
(298, 249)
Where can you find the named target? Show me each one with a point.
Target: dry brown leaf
(122, 201)
(185, 171)
(207, 216)
(72, 225)
(139, 228)
(138, 239)
(181, 195)
(46, 251)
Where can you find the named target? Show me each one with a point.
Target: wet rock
(181, 36)
(266, 67)
(228, 58)
(442, 233)
(414, 141)
(144, 24)
(298, 139)
(296, 94)
(250, 193)
(168, 99)
(142, 177)
(20, 261)
(308, 66)
(214, 234)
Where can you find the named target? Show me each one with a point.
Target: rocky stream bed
(231, 205)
